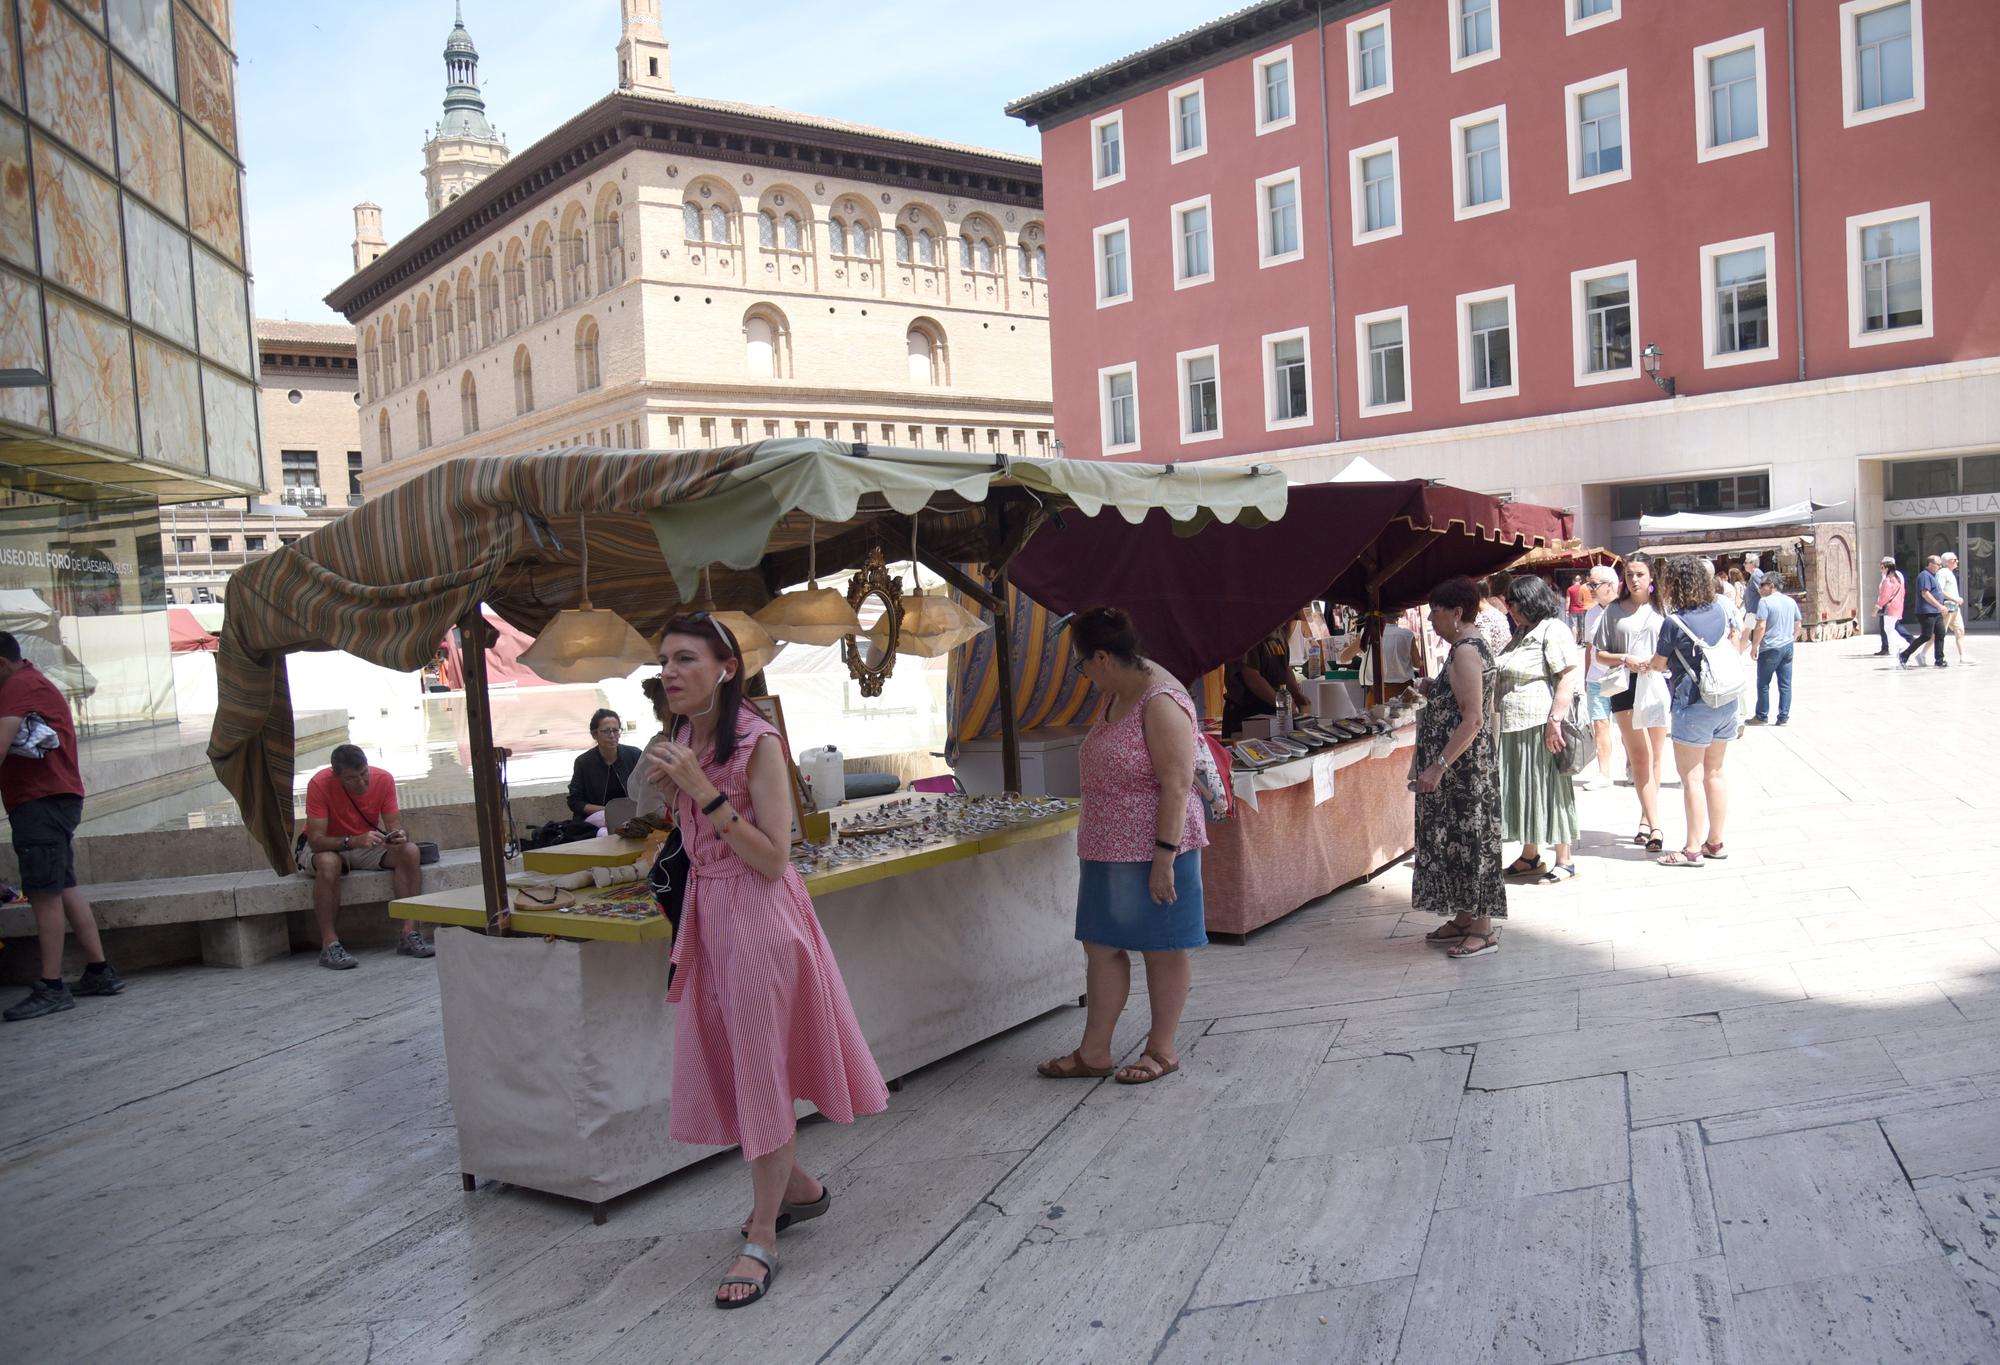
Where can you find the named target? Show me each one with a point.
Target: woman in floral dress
(1456, 770)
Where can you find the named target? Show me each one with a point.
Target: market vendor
(1253, 682)
(1399, 652)
(603, 772)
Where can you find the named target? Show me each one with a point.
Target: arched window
(718, 225)
(542, 272)
(926, 247)
(836, 237)
(447, 333)
(384, 441)
(575, 258)
(1041, 263)
(423, 421)
(586, 355)
(863, 242)
(426, 347)
(371, 359)
(1027, 261)
(767, 228)
(489, 299)
(925, 346)
(406, 345)
(514, 276)
(388, 356)
(691, 221)
(767, 343)
(610, 226)
(468, 403)
(904, 249)
(795, 235)
(982, 255)
(468, 321)
(965, 253)
(524, 382)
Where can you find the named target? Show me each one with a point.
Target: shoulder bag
(1719, 671)
(1577, 750)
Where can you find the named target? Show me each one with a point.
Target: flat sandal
(752, 1252)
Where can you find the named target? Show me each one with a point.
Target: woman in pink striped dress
(763, 1017)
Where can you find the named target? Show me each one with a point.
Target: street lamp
(1060, 449)
(1650, 358)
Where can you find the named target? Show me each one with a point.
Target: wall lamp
(1061, 450)
(1650, 358)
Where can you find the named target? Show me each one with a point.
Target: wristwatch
(346, 842)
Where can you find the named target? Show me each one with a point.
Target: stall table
(559, 1039)
(1306, 828)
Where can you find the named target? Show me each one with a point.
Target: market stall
(555, 1024)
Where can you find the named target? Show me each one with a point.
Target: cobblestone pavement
(1749, 1112)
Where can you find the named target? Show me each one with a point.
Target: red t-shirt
(1579, 597)
(55, 772)
(346, 813)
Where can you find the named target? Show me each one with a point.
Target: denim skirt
(1115, 909)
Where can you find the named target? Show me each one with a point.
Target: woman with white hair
(1602, 680)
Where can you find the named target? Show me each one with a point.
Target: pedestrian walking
(42, 789)
(1930, 616)
(1695, 626)
(1772, 641)
(1889, 603)
(1139, 836)
(762, 1018)
(1456, 773)
(1626, 638)
(1954, 602)
(1601, 681)
(1538, 676)
(1578, 601)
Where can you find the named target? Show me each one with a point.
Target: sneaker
(1757, 720)
(40, 1001)
(1598, 784)
(105, 982)
(414, 945)
(334, 957)
(1784, 720)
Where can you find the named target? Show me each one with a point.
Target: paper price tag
(1322, 778)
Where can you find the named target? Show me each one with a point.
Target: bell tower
(368, 239)
(464, 150)
(644, 58)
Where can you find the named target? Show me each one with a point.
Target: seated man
(352, 822)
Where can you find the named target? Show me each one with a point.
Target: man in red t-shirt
(352, 822)
(43, 792)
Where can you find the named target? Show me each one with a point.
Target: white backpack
(1721, 670)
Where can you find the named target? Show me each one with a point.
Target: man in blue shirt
(1930, 616)
(1777, 631)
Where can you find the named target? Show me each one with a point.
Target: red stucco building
(1447, 234)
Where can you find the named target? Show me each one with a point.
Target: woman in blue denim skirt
(1701, 732)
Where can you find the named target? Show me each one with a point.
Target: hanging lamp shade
(931, 626)
(755, 643)
(586, 644)
(811, 615)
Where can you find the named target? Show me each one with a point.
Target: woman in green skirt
(1539, 673)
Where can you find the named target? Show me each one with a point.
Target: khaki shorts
(351, 860)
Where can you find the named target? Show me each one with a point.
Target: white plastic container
(824, 771)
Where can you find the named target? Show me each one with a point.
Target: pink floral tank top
(1121, 795)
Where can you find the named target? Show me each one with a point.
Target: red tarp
(185, 635)
(503, 659)
(1202, 600)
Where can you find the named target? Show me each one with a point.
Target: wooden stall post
(994, 599)
(474, 636)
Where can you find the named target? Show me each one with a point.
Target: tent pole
(1003, 659)
(474, 636)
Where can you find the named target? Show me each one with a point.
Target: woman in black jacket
(603, 773)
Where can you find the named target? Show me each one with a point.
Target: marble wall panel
(69, 87)
(17, 206)
(91, 363)
(77, 210)
(205, 71)
(213, 210)
(10, 72)
(221, 312)
(231, 407)
(149, 144)
(216, 12)
(143, 31)
(91, 11)
(162, 281)
(21, 349)
(170, 405)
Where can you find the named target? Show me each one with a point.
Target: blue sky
(336, 100)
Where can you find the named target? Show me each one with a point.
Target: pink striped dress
(763, 1017)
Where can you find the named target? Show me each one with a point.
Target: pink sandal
(1682, 857)
(1713, 851)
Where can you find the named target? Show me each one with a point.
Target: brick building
(1626, 257)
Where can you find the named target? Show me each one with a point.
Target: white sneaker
(1598, 784)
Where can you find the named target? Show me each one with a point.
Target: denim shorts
(1700, 725)
(1600, 705)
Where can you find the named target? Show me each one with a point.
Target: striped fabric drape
(1047, 691)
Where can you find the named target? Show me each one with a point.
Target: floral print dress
(1458, 826)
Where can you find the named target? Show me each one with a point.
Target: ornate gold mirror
(877, 599)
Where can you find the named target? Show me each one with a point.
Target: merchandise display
(902, 826)
(1317, 734)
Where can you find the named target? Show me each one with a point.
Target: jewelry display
(898, 828)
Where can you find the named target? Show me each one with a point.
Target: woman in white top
(1625, 639)
(1399, 646)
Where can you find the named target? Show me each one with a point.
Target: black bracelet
(1166, 847)
(721, 799)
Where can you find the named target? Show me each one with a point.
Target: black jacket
(589, 781)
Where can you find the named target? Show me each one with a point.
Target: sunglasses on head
(702, 618)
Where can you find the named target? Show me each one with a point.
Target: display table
(1289, 848)
(559, 1048)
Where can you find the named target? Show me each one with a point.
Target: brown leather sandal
(1072, 1068)
(1146, 1075)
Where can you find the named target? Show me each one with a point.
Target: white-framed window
(1738, 324)
(1376, 188)
(1475, 32)
(1479, 183)
(1118, 405)
(1272, 87)
(1600, 150)
(1200, 394)
(1604, 322)
(1371, 71)
(1382, 361)
(1579, 15)
(1187, 112)
(1113, 256)
(1486, 346)
(1729, 85)
(1881, 59)
(1889, 276)
(1287, 380)
(1194, 242)
(1279, 235)
(1107, 149)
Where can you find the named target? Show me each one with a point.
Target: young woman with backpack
(1704, 660)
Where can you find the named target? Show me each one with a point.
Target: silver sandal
(767, 1259)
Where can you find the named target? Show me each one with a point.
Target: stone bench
(243, 917)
